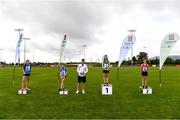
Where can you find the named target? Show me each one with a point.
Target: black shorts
(105, 71)
(144, 73)
(81, 79)
(27, 75)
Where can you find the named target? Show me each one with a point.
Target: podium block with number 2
(106, 90)
(147, 91)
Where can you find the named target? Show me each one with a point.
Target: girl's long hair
(105, 59)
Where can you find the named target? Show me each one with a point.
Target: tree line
(137, 60)
(153, 61)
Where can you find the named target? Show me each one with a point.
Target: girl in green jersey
(105, 66)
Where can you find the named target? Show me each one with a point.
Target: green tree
(155, 61)
(177, 61)
(141, 56)
(169, 61)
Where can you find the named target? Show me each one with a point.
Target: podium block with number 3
(106, 89)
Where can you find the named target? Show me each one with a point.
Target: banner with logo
(127, 44)
(17, 56)
(166, 47)
(63, 45)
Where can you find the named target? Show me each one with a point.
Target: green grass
(126, 102)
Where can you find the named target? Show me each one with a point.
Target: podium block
(106, 89)
(63, 92)
(146, 90)
(23, 92)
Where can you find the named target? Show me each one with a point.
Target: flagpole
(160, 78)
(14, 73)
(117, 73)
(59, 66)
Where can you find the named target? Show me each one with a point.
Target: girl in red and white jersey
(144, 72)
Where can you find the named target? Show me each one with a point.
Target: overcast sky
(100, 24)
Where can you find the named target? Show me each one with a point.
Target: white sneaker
(77, 91)
(83, 91)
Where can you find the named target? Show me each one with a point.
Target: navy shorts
(27, 75)
(64, 76)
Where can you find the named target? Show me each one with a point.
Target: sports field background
(126, 102)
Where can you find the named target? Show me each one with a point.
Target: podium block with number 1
(106, 89)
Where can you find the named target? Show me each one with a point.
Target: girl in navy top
(63, 75)
(26, 76)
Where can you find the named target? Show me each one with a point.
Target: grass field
(126, 102)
